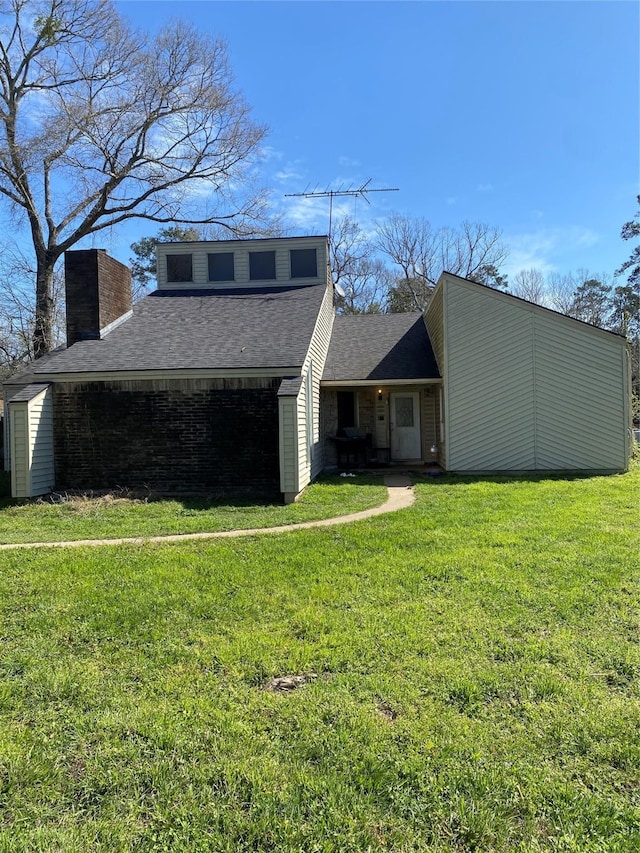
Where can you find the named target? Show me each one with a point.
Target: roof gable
(380, 347)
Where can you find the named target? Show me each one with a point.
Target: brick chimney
(97, 292)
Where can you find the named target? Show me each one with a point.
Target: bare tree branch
(364, 279)
(100, 123)
(422, 253)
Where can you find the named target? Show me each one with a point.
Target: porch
(376, 425)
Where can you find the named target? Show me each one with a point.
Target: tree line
(396, 268)
(102, 123)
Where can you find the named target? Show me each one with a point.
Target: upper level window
(179, 268)
(262, 266)
(304, 263)
(221, 267)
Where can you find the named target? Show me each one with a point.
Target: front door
(405, 425)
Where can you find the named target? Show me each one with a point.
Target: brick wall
(97, 292)
(171, 436)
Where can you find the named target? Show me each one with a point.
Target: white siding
(526, 388)
(241, 249)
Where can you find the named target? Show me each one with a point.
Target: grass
(67, 517)
(478, 686)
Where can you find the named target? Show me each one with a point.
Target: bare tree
(364, 278)
(561, 288)
(582, 294)
(366, 287)
(530, 284)
(17, 312)
(422, 253)
(100, 123)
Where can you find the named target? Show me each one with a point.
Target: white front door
(405, 425)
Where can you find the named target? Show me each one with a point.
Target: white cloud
(311, 214)
(268, 152)
(451, 199)
(307, 214)
(543, 248)
(291, 171)
(485, 188)
(288, 174)
(583, 237)
(527, 251)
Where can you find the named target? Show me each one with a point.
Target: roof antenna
(361, 191)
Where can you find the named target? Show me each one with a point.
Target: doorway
(405, 425)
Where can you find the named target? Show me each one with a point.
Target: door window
(404, 412)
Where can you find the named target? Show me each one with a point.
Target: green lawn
(65, 517)
(478, 688)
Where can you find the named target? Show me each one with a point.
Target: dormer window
(179, 268)
(304, 263)
(262, 266)
(228, 264)
(221, 267)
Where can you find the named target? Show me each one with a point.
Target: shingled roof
(380, 347)
(202, 329)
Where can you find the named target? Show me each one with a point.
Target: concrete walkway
(400, 495)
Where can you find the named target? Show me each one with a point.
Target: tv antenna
(362, 192)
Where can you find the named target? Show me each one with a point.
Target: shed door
(405, 425)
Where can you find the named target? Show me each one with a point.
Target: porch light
(434, 452)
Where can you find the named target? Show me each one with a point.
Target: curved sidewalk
(400, 495)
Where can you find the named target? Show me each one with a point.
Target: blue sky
(523, 115)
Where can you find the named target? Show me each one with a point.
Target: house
(236, 374)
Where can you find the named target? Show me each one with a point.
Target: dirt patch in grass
(287, 683)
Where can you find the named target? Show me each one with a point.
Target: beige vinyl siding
(20, 450)
(289, 465)
(434, 319)
(302, 460)
(309, 468)
(580, 411)
(10, 391)
(489, 383)
(241, 249)
(32, 469)
(526, 388)
(41, 442)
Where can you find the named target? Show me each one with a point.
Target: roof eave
(340, 383)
